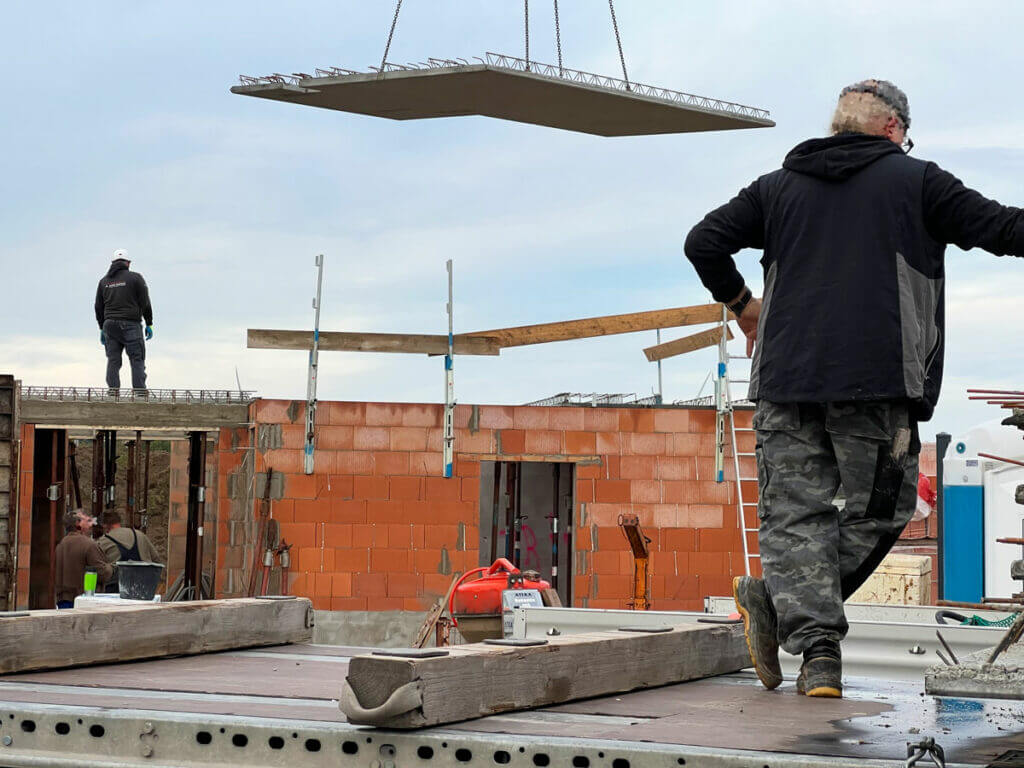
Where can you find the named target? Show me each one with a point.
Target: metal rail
(888, 650)
(536, 68)
(502, 61)
(595, 399)
(106, 395)
(69, 736)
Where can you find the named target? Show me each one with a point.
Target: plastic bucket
(137, 580)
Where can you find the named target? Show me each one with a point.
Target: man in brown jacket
(76, 552)
(124, 544)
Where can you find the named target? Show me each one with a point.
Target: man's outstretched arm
(959, 215)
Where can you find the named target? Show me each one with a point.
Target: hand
(103, 339)
(748, 323)
(149, 332)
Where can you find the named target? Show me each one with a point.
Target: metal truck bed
(276, 707)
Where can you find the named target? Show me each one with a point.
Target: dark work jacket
(122, 295)
(854, 234)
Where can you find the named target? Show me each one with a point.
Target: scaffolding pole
(449, 386)
(314, 355)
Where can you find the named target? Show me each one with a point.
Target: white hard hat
(121, 253)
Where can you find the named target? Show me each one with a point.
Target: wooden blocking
(898, 580)
(70, 638)
(708, 338)
(551, 598)
(338, 341)
(479, 680)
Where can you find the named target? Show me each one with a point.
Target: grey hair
(71, 519)
(864, 106)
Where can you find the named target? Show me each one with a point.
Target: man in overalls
(125, 544)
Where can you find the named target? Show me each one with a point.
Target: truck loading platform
(277, 706)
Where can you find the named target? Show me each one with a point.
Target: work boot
(821, 674)
(760, 627)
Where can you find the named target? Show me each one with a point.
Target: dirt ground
(159, 487)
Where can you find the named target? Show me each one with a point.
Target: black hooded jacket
(854, 234)
(122, 295)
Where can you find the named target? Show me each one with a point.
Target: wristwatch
(740, 304)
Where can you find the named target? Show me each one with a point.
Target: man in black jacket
(122, 302)
(848, 358)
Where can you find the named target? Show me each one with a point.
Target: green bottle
(90, 581)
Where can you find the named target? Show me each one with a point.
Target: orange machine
(475, 606)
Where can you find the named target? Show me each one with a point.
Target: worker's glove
(103, 339)
(149, 332)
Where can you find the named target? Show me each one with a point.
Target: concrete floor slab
(573, 101)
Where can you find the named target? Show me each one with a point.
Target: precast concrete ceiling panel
(508, 88)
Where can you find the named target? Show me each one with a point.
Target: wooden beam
(478, 680)
(57, 639)
(339, 341)
(708, 338)
(606, 325)
(133, 414)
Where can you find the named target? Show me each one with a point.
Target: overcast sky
(119, 131)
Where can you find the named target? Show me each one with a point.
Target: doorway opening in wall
(47, 517)
(147, 479)
(526, 516)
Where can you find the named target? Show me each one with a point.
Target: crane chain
(618, 41)
(558, 39)
(526, 30)
(391, 34)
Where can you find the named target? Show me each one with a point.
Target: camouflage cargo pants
(813, 553)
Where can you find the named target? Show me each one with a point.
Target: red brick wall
(377, 527)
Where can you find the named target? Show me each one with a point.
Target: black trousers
(126, 336)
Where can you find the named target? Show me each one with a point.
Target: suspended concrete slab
(508, 88)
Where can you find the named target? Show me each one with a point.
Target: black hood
(837, 158)
(116, 266)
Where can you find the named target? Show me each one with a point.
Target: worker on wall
(74, 553)
(122, 303)
(126, 544)
(849, 349)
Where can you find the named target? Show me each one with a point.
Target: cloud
(224, 200)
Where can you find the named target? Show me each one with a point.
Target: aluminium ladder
(724, 407)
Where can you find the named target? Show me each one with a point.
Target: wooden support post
(129, 502)
(110, 471)
(53, 496)
(495, 510)
(477, 680)
(557, 473)
(98, 461)
(144, 517)
(192, 582)
(76, 486)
